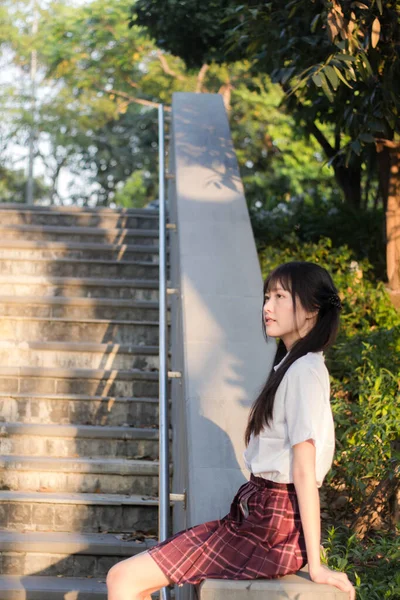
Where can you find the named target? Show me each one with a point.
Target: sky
(17, 155)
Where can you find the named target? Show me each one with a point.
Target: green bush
(371, 563)
(365, 374)
(311, 220)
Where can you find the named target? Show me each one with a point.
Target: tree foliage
(102, 82)
(338, 62)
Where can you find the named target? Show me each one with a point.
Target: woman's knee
(137, 574)
(118, 574)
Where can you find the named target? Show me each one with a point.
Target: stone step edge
(15, 206)
(78, 397)
(86, 499)
(17, 587)
(78, 230)
(80, 261)
(80, 281)
(49, 542)
(98, 465)
(71, 373)
(76, 320)
(22, 244)
(104, 348)
(43, 587)
(79, 301)
(119, 432)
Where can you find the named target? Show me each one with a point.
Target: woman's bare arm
(304, 479)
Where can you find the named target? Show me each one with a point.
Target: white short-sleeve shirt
(302, 411)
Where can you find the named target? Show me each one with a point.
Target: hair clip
(335, 300)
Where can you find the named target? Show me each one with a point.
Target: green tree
(102, 83)
(337, 62)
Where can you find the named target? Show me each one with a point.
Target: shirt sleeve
(304, 404)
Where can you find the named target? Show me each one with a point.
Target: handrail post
(164, 507)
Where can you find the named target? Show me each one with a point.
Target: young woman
(273, 527)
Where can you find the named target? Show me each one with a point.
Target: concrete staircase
(78, 397)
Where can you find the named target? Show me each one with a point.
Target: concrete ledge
(290, 587)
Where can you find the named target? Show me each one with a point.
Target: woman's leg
(135, 578)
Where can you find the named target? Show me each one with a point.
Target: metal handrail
(164, 497)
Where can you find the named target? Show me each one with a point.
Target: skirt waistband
(273, 485)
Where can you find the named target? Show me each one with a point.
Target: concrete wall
(216, 334)
(217, 338)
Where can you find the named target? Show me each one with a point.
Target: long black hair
(313, 286)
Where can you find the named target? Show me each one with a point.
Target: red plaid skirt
(261, 537)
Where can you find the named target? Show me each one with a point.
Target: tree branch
(201, 77)
(166, 68)
(132, 83)
(337, 138)
(225, 91)
(140, 101)
(312, 127)
(321, 139)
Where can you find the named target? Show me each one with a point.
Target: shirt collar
(279, 363)
(320, 352)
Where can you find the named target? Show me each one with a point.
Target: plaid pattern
(261, 537)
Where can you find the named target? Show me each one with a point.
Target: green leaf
(317, 79)
(368, 138)
(286, 74)
(314, 23)
(342, 78)
(332, 76)
(346, 57)
(379, 3)
(367, 64)
(325, 86)
(356, 147)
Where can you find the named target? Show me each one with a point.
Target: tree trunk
(349, 179)
(389, 178)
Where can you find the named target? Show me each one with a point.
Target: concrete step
(77, 267)
(83, 308)
(78, 409)
(20, 329)
(75, 209)
(78, 355)
(67, 554)
(68, 441)
(98, 475)
(92, 382)
(17, 587)
(28, 249)
(80, 234)
(80, 287)
(98, 218)
(85, 513)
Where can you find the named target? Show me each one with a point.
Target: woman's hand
(340, 580)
